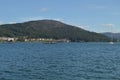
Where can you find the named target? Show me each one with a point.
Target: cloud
(84, 26)
(1, 22)
(58, 19)
(43, 10)
(12, 22)
(108, 25)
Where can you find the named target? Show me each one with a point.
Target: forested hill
(49, 29)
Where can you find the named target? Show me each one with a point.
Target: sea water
(61, 61)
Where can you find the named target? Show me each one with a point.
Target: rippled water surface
(62, 61)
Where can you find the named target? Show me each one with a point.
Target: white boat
(111, 42)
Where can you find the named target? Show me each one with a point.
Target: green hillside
(49, 29)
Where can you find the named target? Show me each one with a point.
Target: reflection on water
(64, 61)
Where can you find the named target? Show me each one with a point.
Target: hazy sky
(93, 15)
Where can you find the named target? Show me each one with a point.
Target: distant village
(14, 39)
(9, 39)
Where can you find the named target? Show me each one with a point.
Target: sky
(92, 15)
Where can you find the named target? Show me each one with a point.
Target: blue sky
(93, 15)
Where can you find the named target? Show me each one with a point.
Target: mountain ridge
(112, 35)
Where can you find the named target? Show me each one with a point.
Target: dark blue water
(62, 61)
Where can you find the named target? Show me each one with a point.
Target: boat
(111, 42)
